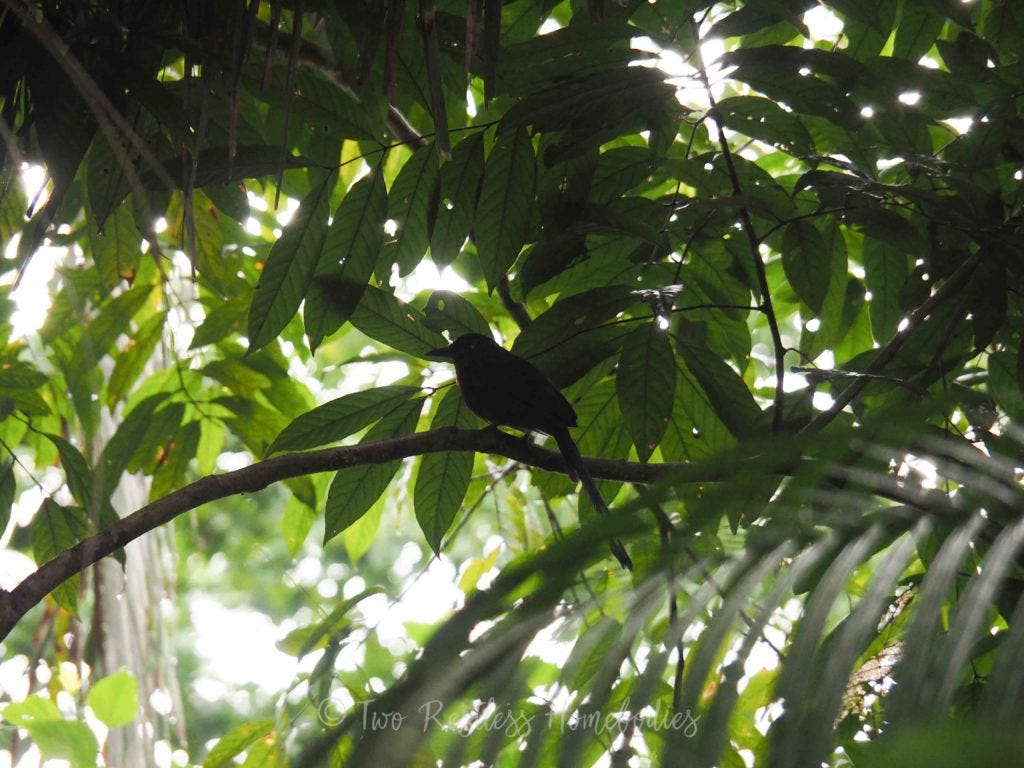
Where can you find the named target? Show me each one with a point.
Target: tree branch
(17, 602)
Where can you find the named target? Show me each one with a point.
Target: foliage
(778, 275)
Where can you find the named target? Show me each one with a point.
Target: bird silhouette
(503, 388)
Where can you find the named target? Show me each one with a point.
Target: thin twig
(953, 284)
(752, 238)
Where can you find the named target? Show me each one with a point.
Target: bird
(503, 388)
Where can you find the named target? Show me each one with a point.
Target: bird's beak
(445, 353)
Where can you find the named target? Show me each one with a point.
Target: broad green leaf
(237, 740)
(763, 119)
(99, 335)
(712, 433)
(290, 267)
(130, 363)
(448, 311)
(591, 652)
(130, 438)
(54, 529)
(918, 28)
(223, 319)
(69, 740)
(443, 478)
(390, 321)
(359, 537)
(174, 460)
(354, 489)
(296, 522)
(15, 374)
(236, 376)
(727, 394)
(409, 206)
(116, 249)
(618, 171)
(886, 270)
(646, 383)
(840, 288)
(350, 254)
(601, 432)
(340, 417)
(459, 184)
(31, 710)
(506, 203)
(805, 258)
(76, 470)
(114, 699)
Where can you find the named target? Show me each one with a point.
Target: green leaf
(409, 206)
(114, 699)
(805, 261)
(350, 254)
(290, 267)
(646, 383)
(885, 272)
(354, 489)
(443, 478)
(237, 740)
(340, 417)
(54, 529)
(448, 311)
(618, 171)
(115, 248)
(459, 184)
(917, 30)
(69, 740)
(129, 438)
(763, 119)
(506, 203)
(174, 460)
(99, 335)
(33, 709)
(236, 376)
(390, 321)
(130, 363)
(76, 470)
(215, 166)
(726, 392)
(19, 375)
(223, 319)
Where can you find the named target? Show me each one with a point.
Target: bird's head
(466, 347)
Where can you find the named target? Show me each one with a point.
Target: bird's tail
(578, 470)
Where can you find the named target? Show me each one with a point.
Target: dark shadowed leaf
(350, 253)
(390, 321)
(506, 203)
(340, 417)
(646, 384)
(443, 478)
(290, 267)
(354, 489)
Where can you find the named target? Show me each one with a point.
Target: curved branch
(17, 602)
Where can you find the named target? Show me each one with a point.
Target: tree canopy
(770, 252)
